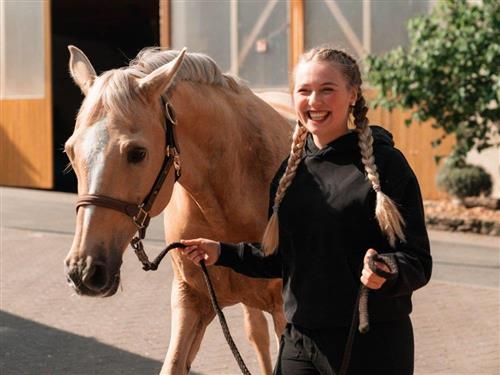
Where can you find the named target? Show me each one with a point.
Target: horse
(231, 144)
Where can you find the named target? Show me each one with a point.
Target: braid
(390, 220)
(271, 235)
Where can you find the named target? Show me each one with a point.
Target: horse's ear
(158, 81)
(81, 69)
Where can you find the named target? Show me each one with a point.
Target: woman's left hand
(368, 277)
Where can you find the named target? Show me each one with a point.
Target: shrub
(464, 181)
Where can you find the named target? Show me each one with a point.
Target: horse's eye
(136, 155)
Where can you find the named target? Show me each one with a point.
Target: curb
(485, 227)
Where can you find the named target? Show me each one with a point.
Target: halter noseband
(139, 213)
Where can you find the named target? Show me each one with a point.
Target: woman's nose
(313, 98)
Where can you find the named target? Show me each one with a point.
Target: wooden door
(25, 95)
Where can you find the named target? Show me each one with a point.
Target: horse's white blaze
(94, 144)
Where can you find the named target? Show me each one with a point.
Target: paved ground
(45, 329)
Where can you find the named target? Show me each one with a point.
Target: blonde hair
(388, 216)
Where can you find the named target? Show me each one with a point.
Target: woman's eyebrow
(329, 83)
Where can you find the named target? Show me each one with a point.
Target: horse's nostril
(72, 277)
(96, 277)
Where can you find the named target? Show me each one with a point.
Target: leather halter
(139, 213)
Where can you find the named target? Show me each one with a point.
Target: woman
(341, 196)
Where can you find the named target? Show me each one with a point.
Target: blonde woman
(340, 197)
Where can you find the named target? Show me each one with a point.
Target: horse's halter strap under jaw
(139, 213)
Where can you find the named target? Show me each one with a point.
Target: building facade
(258, 40)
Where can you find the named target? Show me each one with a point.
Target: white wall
(489, 159)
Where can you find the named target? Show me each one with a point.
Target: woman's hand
(368, 277)
(201, 249)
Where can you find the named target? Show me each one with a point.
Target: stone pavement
(46, 329)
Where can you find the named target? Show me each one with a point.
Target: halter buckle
(141, 218)
(171, 151)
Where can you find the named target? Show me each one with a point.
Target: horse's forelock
(113, 91)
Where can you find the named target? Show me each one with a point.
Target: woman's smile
(318, 116)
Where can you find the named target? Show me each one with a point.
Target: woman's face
(322, 98)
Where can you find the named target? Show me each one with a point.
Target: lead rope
(361, 305)
(153, 266)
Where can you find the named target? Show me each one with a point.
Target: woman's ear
(353, 96)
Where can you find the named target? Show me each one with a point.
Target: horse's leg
(258, 334)
(187, 327)
(279, 323)
(199, 336)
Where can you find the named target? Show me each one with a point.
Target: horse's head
(116, 150)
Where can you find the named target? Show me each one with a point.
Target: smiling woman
(345, 216)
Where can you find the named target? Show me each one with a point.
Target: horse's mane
(112, 90)
(196, 67)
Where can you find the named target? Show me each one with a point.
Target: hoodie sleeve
(413, 257)
(248, 258)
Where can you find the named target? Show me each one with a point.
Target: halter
(139, 213)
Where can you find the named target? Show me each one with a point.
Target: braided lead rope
(346, 358)
(153, 266)
(361, 306)
(364, 324)
(222, 320)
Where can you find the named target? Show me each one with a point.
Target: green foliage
(448, 74)
(464, 181)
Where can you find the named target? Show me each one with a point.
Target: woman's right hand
(201, 249)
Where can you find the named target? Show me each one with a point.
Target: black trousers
(387, 349)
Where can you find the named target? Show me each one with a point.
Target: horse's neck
(226, 167)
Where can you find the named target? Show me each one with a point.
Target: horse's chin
(109, 290)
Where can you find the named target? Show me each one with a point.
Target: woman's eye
(136, 155)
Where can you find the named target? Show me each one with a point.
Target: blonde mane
(114, 90)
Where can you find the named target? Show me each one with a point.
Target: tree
(448, 74)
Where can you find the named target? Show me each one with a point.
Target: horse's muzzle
(92, 277)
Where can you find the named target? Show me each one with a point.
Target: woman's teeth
(318, 116)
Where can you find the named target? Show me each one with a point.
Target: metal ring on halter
(170, 113)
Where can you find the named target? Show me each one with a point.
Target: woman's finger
(195, 241)
(197, 259)
(188, 250)
(369, 283)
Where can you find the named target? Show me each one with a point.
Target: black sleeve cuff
(229, 254)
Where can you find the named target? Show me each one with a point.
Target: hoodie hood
(347, 143)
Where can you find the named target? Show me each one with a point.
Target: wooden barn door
(25, 95)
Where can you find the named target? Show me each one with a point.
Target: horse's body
(231, 144)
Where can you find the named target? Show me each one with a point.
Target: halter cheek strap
(139, 213)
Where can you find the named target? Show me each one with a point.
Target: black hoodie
(326, 225)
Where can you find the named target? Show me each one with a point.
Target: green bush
(464, 181)
(448, 74)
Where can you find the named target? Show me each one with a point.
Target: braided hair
(386, 212)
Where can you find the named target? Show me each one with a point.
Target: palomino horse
(231, 144)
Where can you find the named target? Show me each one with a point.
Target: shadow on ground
(32, 348)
